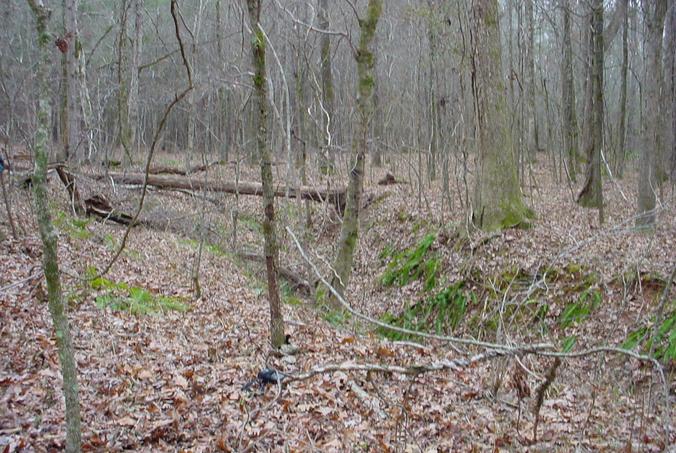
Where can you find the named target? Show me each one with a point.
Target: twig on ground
(540, 392)
(38, 274)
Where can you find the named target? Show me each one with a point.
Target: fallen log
(335, 197)
(163, 170)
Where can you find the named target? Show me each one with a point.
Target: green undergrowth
(578, 311)
(121, 296)
(251, 222)
(661, 341)
(415, 263)
(456, 307)
(441, 313)
(74, 227)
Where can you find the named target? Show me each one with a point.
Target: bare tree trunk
(57, 307)
(570, 129)
(349, 233)
(327, 160)
(497, 201)
(137, 44)
(73, 135)
(377, 115)
(591, 195)
(222, 96)
(85, 102)
(433, 109)
(653, 130)
(670, 67)
(533, 132)
(301, 72)
(261, 119)
(124, 131)
(622, 128)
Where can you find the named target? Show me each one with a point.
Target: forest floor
(160, 370)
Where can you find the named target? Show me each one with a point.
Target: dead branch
(413, 370)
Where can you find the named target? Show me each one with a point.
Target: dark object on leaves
(3, 165)
(265, 376)
(270, 376)
(387, 180)
(62, 43)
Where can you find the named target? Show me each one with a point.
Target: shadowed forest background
(337, 225)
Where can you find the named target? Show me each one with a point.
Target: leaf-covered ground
(161, 371)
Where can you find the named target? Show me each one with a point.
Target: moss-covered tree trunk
(570, 130)
(349, 232)
(591, 195)
(264, 155)
(50, 264)
(497, 199)
(653, 129)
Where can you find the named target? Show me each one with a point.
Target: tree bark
(570, 128)
(497, 200)
(87, 148)
(261, 118)
(124, 130)
(349, 233)
(136, 49)
(591, 195)
(433, 93)
(71, 137)
(649, 178)
(670, 68)
(622, 128)
(327, 160)
(57, 307)
(533, 130)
